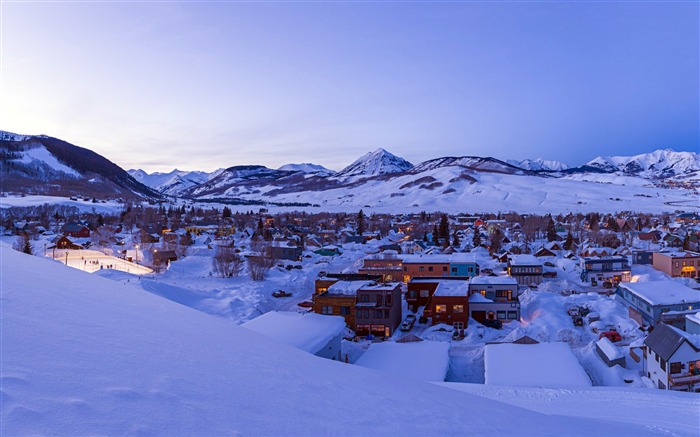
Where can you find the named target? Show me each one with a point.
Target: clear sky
(198, 86)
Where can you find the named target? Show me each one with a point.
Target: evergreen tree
(226, 212)
(569, 243)
(361, 225)
(444, 230)
(476, 241)
(455, 240)
(436, 234)
(551, 230)
(496, 241)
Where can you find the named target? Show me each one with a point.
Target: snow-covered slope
(173, 183)
(376, 163)
(308, 168)
(99, 357)
(539, 164)
(657, 164)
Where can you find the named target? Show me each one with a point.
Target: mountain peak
(378, 162)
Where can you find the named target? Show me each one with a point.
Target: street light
(137, 254)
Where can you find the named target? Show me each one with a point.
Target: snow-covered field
(97, 356)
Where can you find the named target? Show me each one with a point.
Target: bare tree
(226, 262)
(262, 261)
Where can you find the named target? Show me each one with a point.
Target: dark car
(495, 324)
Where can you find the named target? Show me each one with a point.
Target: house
(462, 265)
(677, 264)
(449, 303)
(378, 309)
(597, 271)
(76, 230)
(318, 335)
(412, 361)
(526, 269)
(338, 299)
(494, 297)
(652, 302)
(386, 263)
(672, 359)
(288, 250)
(164, 256)
(642, 257)
(543, 251)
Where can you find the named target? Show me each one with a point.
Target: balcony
(682, 379)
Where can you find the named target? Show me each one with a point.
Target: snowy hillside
(173, 183)
(103, 357)
(375, 163)
(9, 136)
(658, 164)
(539, 164)
(308, 168)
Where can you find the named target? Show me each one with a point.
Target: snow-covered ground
(96, 356)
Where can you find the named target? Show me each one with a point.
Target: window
(420, 269)
(424, 293)
(675, 368)
(405, 269)
(388, 299)
(379, 300)
(364, 298)
(458, 308)
(454, 269)
(378, 314)
(500, 315)
(322, 290)
(440, 308)
(444, 268)
(327, 310)
(512, 315)
(344, 311)
(365, 313)
(663, 364)
(412, 294)
(677, 264)
(386, 314)
(430, 268)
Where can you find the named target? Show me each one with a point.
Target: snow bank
(420, 361)
(533, 365)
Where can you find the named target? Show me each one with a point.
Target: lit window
(440, 308)
(458, 308)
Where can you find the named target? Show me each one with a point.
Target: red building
(76, 230)
(449, 304)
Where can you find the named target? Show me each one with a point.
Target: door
(479, 316)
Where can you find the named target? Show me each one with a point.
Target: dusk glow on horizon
(200, 86)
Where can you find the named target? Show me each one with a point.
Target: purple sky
(200, 86)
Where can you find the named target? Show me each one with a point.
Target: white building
(313, 333)
(672, 359)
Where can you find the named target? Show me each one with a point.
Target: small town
(577, 299)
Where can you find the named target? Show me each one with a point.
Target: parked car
(281, 293)
(613, 336)
(495, 324)
(607, 284)
(306, 304)
(411, 317)
(406, 326)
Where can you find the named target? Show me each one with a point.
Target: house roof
(663, 292)
(665, 340)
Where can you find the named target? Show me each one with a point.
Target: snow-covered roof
(524, 260)
(307, 331)
(493, 280)
(695, 318)
(380, 286)
(456, 258)
(663, 292)
(422, 361)
(533, 365)
(609, 349)
(452, 288)
(478, 297)
(347, 287)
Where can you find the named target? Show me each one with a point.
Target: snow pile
(419, 361)
(307, 331)
(533, 365)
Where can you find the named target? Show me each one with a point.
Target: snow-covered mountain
(175, 182)
(539, 164)
(44, 165)
(658, 164)
(308, 168)
(379, 162)
(101, 357)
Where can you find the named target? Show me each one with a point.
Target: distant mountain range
(376, 178)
